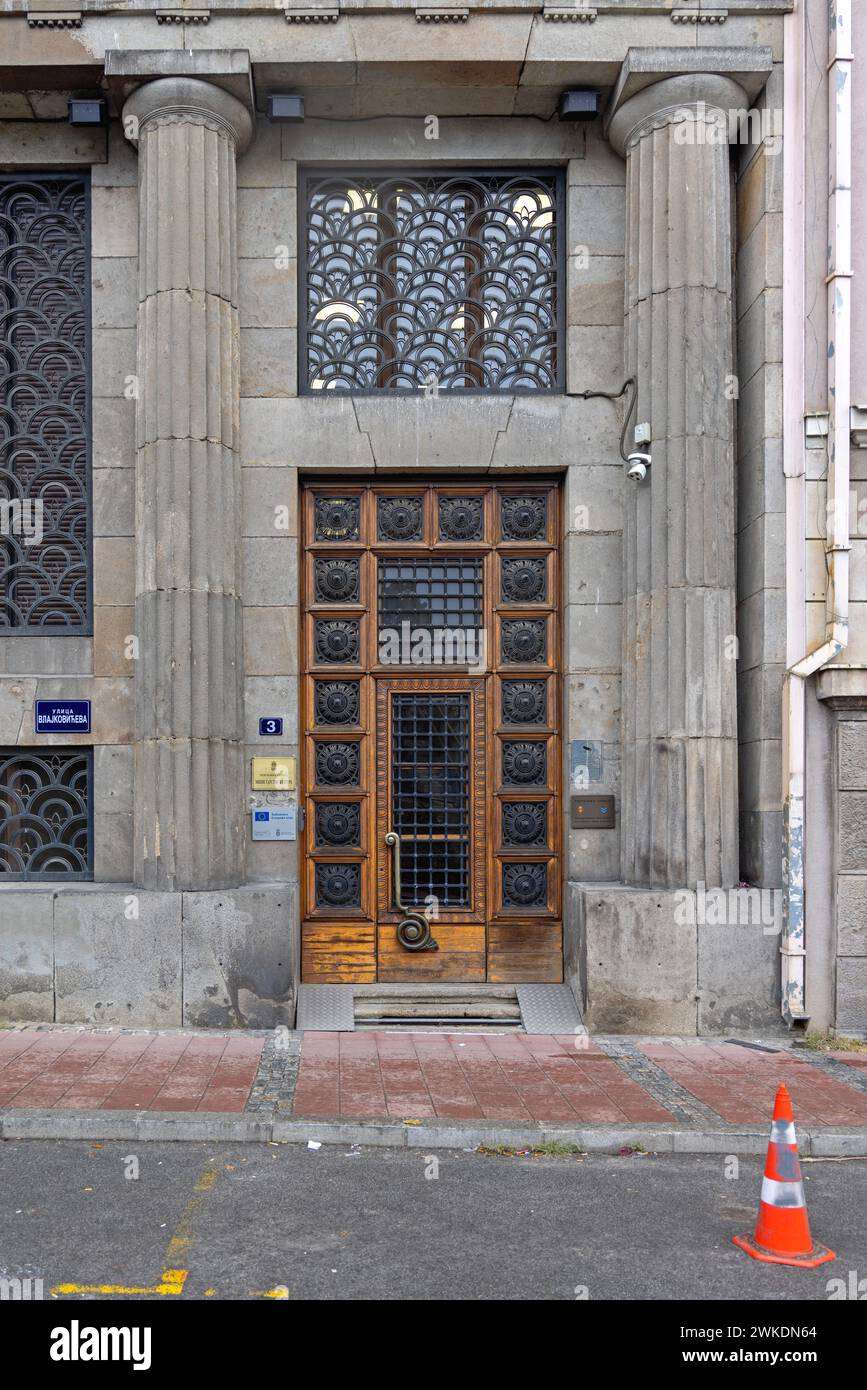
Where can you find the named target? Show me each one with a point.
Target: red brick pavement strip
(129, 1071)
(509, 1077)
(740, 1084)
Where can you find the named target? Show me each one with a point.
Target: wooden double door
(431, 768)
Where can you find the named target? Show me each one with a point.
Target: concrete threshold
(206, 1127)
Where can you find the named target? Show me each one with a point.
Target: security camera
(637, 466)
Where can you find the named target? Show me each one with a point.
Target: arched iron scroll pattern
(429, 282)
(44, 403)
(45, 814)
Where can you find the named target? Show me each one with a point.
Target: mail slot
(592, 813)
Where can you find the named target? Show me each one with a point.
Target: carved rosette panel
(336, 702)
(335, 581)
(337, 764)
(525, 702)
(337, 519)
(525, 823)
(338, 885)
(338, 824)
(461, 518)
(525, 518)
(336, 641)
(523, 641)
(524, 764)
(445, 279)
(524, 579)
(400, 518)
(44, 429)
(525, 885)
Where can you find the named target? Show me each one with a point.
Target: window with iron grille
(44, 403)
(45, 814)
(432, 281)
(431, 796)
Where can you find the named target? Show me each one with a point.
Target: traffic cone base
(819, 1255)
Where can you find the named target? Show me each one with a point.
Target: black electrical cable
(615, 396)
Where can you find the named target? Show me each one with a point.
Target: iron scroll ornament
(413, 930)
(44, 403)
(447, 278)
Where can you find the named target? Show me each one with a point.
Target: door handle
(413, 930)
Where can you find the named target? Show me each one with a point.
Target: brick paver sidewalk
(516, 1077)
(394, 1076)
(62, 1069)
(739, 1083)
(467, 1076)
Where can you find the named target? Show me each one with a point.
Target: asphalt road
(247, 1222)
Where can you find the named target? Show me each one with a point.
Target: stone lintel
(646, 67)
(226, 68)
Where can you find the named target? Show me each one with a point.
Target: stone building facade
(268, 444)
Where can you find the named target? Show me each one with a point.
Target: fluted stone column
(679, 718)
(189, 802)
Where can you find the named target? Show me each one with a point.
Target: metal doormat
(325, 1009)
(548, 1009)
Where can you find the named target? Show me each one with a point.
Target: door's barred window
(45, 815)
(44, 403)
(430, 594)
(433, 281)
(431, 797)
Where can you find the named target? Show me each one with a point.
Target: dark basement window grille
(430, 796)
(425, 281)
(45, 402)
(46, 820)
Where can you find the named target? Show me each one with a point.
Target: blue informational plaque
(63, 716)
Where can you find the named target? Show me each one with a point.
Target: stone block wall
(851, 874)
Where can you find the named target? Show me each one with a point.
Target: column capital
(657, 86)
(172, 99)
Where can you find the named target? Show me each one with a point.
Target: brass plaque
(274, 774)
(592, 813)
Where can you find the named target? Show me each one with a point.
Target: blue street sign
(63, 716)
(270, 727)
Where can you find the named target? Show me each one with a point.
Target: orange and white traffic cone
(782, 1234)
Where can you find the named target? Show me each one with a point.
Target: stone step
(497, 1009)
(482, 992)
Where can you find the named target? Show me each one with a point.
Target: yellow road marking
(172, 1282)
(173, 1279)
(280, 1292)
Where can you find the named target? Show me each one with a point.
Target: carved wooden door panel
(431, 768)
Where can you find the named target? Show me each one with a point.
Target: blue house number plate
(270, 727)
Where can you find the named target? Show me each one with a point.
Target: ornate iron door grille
(45, 814)
(446, 281)
(431, 796)
(45, 403)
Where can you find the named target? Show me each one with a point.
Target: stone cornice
(690, 12)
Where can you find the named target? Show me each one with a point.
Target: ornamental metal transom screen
(45, 814)
(431, 796)
(432, 281)
(44, 403)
